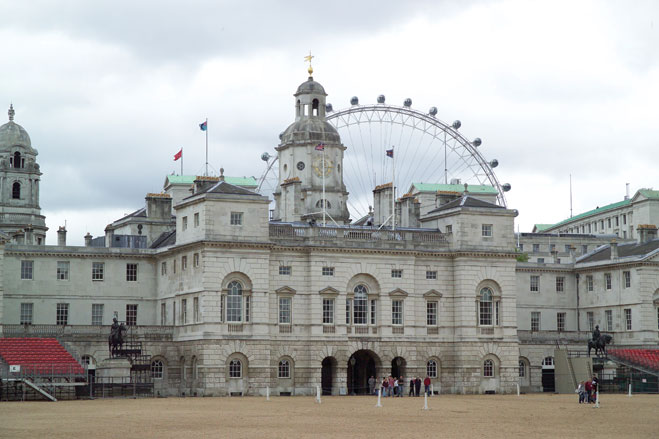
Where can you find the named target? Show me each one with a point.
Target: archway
(398, 366)
(362, 365)
(327, 375)
(548, 382)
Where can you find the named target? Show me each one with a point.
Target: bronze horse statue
(600, 344)
(116, 338)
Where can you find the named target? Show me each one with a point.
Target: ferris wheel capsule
(456, 124)
(433, 111)
(329, 108)
(408, 102)
(494, 163)
(354, 100)
(265, 156)
(381, 99)
(477, 141)
(506, 187)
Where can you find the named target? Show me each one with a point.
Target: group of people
(394, 386)
(587, 390)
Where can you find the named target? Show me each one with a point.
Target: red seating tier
(39, 355)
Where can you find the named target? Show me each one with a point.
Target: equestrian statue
(599, 342)
(116, 338)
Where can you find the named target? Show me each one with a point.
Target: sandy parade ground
(534, 415)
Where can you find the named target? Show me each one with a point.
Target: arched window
(320, 203)
(314, 107)
(485, 307)
(16, 191)
(156, 369)
(431, 369)
(284, 369)
(235, 302)
(17, 160)
(87, 360)
(522, 369)
(488, 368)
(361, 305)
(235, 369)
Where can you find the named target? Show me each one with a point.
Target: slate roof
(466, 201)
(624, 250)
(222, 187)
(165, 239)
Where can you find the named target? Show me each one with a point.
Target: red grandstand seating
(647, 358)
(41, 356)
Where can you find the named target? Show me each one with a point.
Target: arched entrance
(327, 375)
(361, 366)
(548, 383)
(398, 366)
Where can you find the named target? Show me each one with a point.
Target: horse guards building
(227, 298)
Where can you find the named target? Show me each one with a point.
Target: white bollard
(379, 397)
(425, 401)
(318, 394)
(597, 399)
(267, 393)
(432, 390)
(517, 389)
(630, 390)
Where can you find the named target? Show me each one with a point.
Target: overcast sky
(109, 91)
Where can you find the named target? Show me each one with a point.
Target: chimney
(202, 183)
(61, 236)
(159, 206)
(88, 240)
(28, 235)
(646, 232)
(614, 249)
(109, 235)
(626, 191)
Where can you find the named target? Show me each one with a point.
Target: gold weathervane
(308, 59)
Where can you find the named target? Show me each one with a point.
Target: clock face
(300, 165)
(318, 166)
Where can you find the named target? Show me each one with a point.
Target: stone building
(227, 301)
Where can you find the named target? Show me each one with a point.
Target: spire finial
(11, 112)
(308, 59)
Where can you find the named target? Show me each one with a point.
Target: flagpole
(181, 161)
(324, 202)
(206, 147)
(393, 190)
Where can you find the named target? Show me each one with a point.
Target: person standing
(411, 392)
(391, 385)
(588, 386)
(596, 386)
(417, 386)
(401, 386)
(426, 383)
(385, 386)
(371, 385)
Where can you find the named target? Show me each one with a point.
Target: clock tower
(310, 158)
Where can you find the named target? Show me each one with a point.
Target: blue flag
(203, 126)
(390, 153)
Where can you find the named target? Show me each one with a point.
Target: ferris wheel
(425, 150)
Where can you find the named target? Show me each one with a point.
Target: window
(285, 270)
(16, 191)
(552, 248)
(373, 311)
(567, 248)
(486, 230)
(235, 369)
(236, 218)
(131, 314)
(284, 310)
(431, 368)
(328, 271)
(560, 322)
(589, 282)
(163, 268)
(63, 270)
(184, 311)
(628, 319)
(617, 221)
(536, 248)
(97, 270)
(174, 266)
(361, 305)
(195, 260)
(247, 307)
(432, 275)
(27, 270)
(174, 312)
(62, 316)
(431, 313)
(235, 302)
(535, 283)
(328, 311)
(486, 308)
(131, 272)
(520, 247)
(608, 222)
(184, 263)
(608, 314)
(584, 249)
(284, 370)
(196, 219)
(541, 260)
(595, 226)
(397, 273)
(627, 276)
(488, 368)
(97, 314)
(348, 310)
(522, 369)
(163, 314)
(535, 321)
(560, 283)
(590, 317)
(184, 225)
(397, 312)
(156, 369)
(26, 313)
(195, 309)
(607, 280)
(602, 225)
(448, 228)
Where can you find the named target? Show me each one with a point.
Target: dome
(12, 134)
(310, 87)
(310, 130)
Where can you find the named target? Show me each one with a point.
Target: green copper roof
(189, 179)
(649, 193)
(542, 227)
(472, 188)
(594, 211)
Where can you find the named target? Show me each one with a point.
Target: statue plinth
(113, 368)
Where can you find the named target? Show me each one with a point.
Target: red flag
(320, 147)
(178, 155)
(390, 153)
